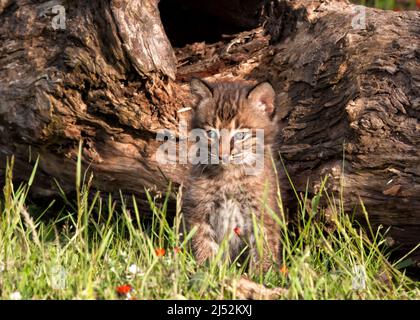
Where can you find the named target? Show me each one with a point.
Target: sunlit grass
(97, 244)
(390, 4)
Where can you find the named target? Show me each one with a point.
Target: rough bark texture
(349, 97)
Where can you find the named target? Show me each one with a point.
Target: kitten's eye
(241, 135)
(212, 134)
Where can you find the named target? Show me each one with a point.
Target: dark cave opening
(189, 21)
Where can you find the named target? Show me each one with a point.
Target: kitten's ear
(201, 88)
(262, 97)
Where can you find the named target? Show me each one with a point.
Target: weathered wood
(142, 36)
(86, 82)
(349, 97)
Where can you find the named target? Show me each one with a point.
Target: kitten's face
(235, 119)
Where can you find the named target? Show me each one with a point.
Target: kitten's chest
(230, 212)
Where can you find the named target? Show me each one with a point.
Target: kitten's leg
(203, 243)
(196, 216)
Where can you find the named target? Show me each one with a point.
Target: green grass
(96, 244)
(390, 4)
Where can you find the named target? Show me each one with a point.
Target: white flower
(133, 269)
(15, 296)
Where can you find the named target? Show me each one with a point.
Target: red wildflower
(160, 252)
(284, 269)
(177, 249)
(237, 230)
(418, 3)
(124, 289)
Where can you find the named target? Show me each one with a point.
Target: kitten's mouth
(234, 165)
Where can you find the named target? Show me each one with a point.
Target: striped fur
(220, 199)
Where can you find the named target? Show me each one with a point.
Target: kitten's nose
(224, 148)
(223, 156)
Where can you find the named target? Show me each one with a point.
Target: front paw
(205, 251)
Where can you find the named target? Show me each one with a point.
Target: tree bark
(348, 93)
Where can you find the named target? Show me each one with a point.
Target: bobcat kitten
(220, 194)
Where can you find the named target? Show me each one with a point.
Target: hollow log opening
(189, 21)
